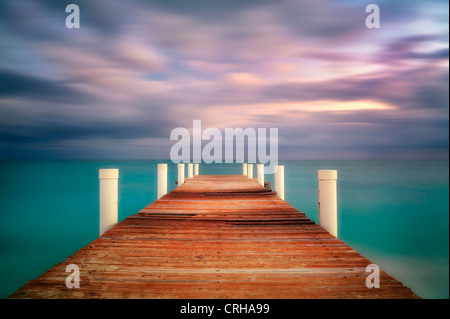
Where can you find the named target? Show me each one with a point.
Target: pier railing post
(190, 170)
(244, 169)
(279, 181)
(109, 198)
(180, 174)
(260, 169)
(328, 201)
(196, 169)
(162, 180)
(250, 170)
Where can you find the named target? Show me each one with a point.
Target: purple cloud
(137, 69)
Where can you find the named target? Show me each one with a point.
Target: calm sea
(395, 213)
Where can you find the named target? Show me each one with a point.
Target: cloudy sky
(135, 70)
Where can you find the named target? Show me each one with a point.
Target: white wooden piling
(260, 169)
(109, 198)
(244, 169)
(328, 201)
(162, 180)
(279, 181)
(190, 170)
(196, 169)
(180, 174)
(250, 170)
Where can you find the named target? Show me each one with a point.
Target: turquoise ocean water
(395, 213)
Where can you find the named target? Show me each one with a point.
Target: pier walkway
(216, 237)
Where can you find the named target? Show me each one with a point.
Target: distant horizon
(168, 159)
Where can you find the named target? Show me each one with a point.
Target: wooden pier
(216, 237)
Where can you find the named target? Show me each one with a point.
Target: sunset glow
(135, 70)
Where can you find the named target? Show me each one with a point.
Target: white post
(109, 198)
(244, 169)
(162, 180)
(250, 170)
(260, 169)
(195, 169)
(190, 170)
(328, 201)
(279, 181)
(180, 174)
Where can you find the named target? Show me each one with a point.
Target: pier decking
(216, 237)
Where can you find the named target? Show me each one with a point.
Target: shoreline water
(50, 210)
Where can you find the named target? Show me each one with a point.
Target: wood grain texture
(216, 237)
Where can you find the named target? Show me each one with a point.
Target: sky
(116, 87)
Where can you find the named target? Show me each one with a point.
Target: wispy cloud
(137, 69)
